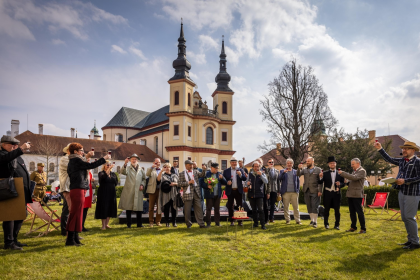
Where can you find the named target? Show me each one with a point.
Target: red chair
(379, 201)
(49, 219)
(224, 196)
(31, 213)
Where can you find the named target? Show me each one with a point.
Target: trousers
(234, 195)
(257, 210)
(169, 207)
(355, 207)
(312, 201)
(273, 200)
(198, 211)
(213, 203)
(64, 217)
(293, 198)
(409, 205)
(154, 199)
(11, 230)
(332, 200)
(138, 217)
(75, 221)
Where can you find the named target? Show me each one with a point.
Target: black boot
(139, 219)
(70, 239)
(85, 210)
(128, 217)
(76, 239)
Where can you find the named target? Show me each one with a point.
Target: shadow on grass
(371, 262)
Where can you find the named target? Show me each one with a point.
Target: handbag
(145, 194)
(7, 187)
(179, 202)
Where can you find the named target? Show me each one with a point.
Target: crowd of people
(168, 189)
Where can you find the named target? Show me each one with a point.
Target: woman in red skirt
(79, 183)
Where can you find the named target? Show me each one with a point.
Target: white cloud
(72, 16)
(137, 52)
(115, 48)
(57, 42)
(193, 76)
(12, 27)
(197, 58)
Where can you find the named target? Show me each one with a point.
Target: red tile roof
(119, 150)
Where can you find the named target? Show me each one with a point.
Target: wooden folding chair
(364, 202)
(48, 219)
(379, 201)
(397, 215)
(31, 213)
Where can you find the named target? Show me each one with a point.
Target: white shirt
(333, 176)
(233, 177)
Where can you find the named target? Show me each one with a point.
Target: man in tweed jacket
(408, 182)
(188, 181)
(312, 189)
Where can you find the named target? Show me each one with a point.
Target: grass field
(281, 252)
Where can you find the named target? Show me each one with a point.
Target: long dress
(106, 205)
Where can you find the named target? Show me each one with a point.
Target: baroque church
(186, 128)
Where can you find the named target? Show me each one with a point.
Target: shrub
(119, 190)
(370, 192)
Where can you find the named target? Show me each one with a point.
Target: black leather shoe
(77, 239)
(327, 227)
(188, 226)
(240, 223)
(20, 244)
(351, 230)
(405, 244)
(218, 225)
(85, 230)
(232, 224)
(168, 225)
(412, 246)
(12, 246)
(337, 227)
(255, 225)
(202, 226)
(263, 227)
(140, 226)
(208, 225)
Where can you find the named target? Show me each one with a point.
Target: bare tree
(48, 149)
(295, 108)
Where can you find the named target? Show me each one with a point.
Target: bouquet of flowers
(211, 182)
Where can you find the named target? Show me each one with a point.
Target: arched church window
(209, 136)
(224, 108)
(176, 98)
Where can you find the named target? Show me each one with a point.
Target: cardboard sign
(14, 209)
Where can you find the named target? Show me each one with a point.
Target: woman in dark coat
(106, 205)
(79, 183)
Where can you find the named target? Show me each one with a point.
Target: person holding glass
(168, 182)
(106, 205)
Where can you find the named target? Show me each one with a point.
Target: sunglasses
(270, 162)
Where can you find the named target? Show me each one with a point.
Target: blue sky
(67, 63)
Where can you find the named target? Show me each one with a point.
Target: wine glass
(29, 143)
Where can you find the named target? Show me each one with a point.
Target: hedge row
(370, 192)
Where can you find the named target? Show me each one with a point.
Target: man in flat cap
(188, 181)
(212, 194)
(40, 179)
(11, 164)
(408, 182)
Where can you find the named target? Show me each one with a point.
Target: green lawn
(282, 251)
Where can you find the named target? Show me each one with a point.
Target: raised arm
(389, 159)
(358, 176)
(149, 172)
(11, 155)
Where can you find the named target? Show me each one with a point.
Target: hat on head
(188, 161)
(233, 159)
(407, 145)
(9, 139)
(215, 165)
(135, 155)
(331, 159)
(41, 164)
(66, 148)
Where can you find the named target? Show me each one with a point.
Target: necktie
(157, 169)
(406, 159)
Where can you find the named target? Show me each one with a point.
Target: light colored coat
(152, 174)
(63, 175)
(311, 180)
(131, 196)
(357, 180)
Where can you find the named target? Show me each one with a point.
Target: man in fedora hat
(234, 187)
(333, 182)
(63, 177)
(40, 179)
(11, 164)
(408, 184)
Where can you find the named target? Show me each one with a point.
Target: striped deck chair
(30, 212)
(49, 219)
